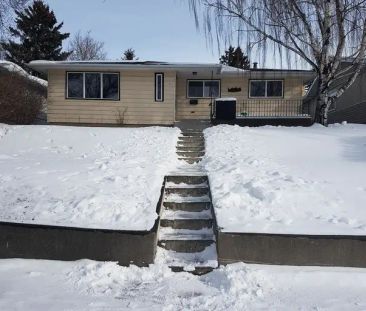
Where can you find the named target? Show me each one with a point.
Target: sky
(156, 29)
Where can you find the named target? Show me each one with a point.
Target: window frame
(101, 86)
(157, 74)
(265, 89)
(203, 86)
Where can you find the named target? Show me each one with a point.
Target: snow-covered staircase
(186, 239)
(186, 236)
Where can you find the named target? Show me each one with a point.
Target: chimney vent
(255, 65)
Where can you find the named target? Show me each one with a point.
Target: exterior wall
(351, 106)
(136, 104)
(293, 92)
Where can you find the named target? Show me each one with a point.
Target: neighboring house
(146, 92)
(351, 105)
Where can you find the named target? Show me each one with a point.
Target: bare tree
(320, 32)
(129, 54)
(84, 47)
(7, 8)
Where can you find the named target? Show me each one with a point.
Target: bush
(21, 99)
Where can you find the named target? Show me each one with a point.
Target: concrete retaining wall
(18, 240)
(303, 250)
(266, 121)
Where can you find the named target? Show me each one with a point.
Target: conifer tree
(235, 57)
(38, 34)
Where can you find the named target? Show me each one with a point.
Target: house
(351, 105)
(148, 92)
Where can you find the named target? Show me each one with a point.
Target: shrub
(21, 99)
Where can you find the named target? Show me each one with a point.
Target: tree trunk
(322, 108)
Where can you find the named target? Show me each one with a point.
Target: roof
(11, 67)
(44, 66)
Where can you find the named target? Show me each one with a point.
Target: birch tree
(7, 9)
(320, 32)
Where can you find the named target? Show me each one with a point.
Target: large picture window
(92, 85)
(203, 88)
(265, 88)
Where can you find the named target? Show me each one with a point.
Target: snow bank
(84, 177)
(89, 285)
(11, 67)
(288, 179)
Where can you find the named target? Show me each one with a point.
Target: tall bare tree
(7, 9)
(320, 32)
(85, 47)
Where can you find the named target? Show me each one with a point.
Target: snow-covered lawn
(84, 177)
(88, 285)
(288, 179)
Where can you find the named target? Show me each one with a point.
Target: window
(75, 85)
(203, 88)
(93, 85)
(266, 88)
(159, 87)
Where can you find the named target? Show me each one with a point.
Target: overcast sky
(156, 29)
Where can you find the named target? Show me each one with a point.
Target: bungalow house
(351, 105)
(147, 92)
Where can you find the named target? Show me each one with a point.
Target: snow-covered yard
(89, 285)
(288, 180)
(84, 177)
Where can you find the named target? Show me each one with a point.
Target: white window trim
(203, 90)
(101, 85)
(265, 89)
(161, 75)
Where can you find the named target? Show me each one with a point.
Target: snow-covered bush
(21, 99)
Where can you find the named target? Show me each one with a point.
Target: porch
(259, 112)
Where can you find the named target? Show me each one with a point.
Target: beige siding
(293, 89)
(136, 104)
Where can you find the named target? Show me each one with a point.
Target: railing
(271, 108)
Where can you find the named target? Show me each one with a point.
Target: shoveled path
(186, 238)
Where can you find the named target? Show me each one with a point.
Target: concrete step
(188, 192)
(192, 134)
(194, 154)
(190, 160)
(191, 144)
(195, 270)
(184, 179)
(187, 206)
(191, 140)
(186, 215)
(196, 263)
(191, 224)
(186, 246)
(195, 149)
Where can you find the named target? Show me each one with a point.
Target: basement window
(159, 87)
(92, 85)
(266, 88)
(203, 88)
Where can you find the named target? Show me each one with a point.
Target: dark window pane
(274, 88)
(195, 89)
(159, 87)
(74, 85)
(257, 88)
(212, 89)
(92, 85)
(110, 86)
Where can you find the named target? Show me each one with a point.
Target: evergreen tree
(39, 36)
(129, 54)
(235, 57)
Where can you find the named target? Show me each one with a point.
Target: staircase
(186, 240)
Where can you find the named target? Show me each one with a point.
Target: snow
(11, 67)
(89, 285)
(288, 179)
(90, 177)
(221, 99)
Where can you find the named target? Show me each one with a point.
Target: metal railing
(272, 108)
